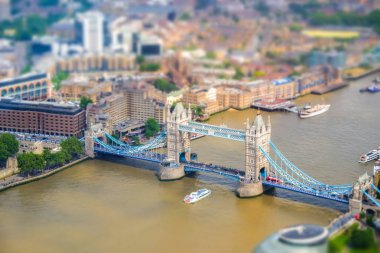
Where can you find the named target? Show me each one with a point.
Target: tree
(151, 127)
(4, 154)
(361, 239)
(58, 78)
(262, 7)
(10, 142)
(140, 59)
(164, 85)
(238, 74)
(184, 16)
(30, 162)
(149, 67)
(84, 101)
(135, 140)
(72, 146)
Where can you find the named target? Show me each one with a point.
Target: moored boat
(371, 155)
(196, 196)
(311, 111)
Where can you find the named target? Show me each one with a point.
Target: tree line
(30, 163)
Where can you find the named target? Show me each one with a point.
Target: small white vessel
(371, 155)
(310, 111)
(196, 196)
(376, 168)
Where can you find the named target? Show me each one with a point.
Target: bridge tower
(177, 143)
(362, 184)
(256, 165)
(89, 143)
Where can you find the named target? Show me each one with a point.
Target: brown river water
(103, 206)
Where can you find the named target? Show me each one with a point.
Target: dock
(329, 88)
(275, 105)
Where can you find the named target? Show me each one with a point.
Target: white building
(92, 31)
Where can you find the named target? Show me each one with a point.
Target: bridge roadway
(231, 173)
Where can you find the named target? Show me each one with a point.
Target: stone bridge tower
(177, 143)
(257, 135)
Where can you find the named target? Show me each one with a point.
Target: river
(103, 206)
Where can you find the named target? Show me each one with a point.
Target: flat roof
(47, 107)
(282, 81)
(22, 79)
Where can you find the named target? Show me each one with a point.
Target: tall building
(41, 118)
(93, 31)
(5, 10)
(333, 58)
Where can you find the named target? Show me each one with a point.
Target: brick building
(41, 118)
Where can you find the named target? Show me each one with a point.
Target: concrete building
(78, 86)
(5, 10)
(334, 58)
(91, 62)
(93, 31)
(145, 102)
(111, 111)
(310, 81)
(41, 118)
(7, 69)
(27, 87)
(285, 88)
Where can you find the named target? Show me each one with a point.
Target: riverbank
(17, 180)
(365, 74)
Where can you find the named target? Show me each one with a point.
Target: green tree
(135, 140)
(140, 59)
(164, 85)
(58, 78)
(263, 8)
(30, 162)
(151, 127)
(211, 55)
(72, 146)
(184, 16)
(361, 239)
(4, 154)
(84, 101)
(295, 28)
(150, 67)
(11, 143)
(238, 74)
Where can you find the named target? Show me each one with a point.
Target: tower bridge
(265, 166)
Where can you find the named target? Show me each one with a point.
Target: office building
(93, 31)
(336, 59)
(5, 10)
(41, 118)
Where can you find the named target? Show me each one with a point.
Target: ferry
(376, 168)
(371, 155)
(196, 196)
(309, 111)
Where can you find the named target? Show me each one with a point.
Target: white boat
(309, 111)
(196, 196)
(371, 155)
(376, 168)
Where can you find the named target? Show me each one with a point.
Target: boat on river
(311, 111)
(196, 196)
(371, 155)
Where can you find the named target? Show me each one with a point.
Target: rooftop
(23, 78)
(47, 107)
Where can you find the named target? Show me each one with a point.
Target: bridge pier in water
(256, 166)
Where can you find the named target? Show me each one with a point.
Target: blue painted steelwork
(155, 143)
(375, 188)
(215, 131)
(229, 173)
(371, 198)
(297, 184)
